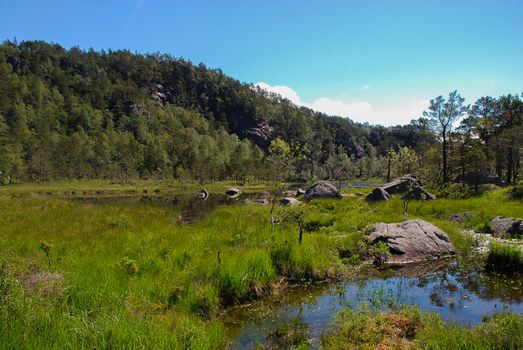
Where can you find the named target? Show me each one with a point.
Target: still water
(457, 295)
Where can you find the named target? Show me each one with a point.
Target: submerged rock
(377, 195)
(412, 241)
(506, 226)
(322, 189)
(233, 192)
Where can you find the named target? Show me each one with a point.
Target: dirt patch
(44, 283)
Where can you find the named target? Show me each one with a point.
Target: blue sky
(376, 60)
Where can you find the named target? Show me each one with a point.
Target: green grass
(408, 328)
(505, 258)
(130, 187)
(132, 275)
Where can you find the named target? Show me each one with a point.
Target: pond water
(463, 297)
(191, 209)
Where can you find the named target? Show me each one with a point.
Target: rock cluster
(408, 185)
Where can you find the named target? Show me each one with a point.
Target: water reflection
(191, 209)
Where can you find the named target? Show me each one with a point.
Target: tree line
(117, 115)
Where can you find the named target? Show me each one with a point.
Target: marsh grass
(406, 327)
(133, 276)
(504, 258)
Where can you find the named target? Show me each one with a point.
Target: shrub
(129, 266)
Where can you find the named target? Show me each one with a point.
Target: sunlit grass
(134, 275)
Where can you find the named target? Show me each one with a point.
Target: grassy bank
(409, 328)
(135, 275)
(130, 187)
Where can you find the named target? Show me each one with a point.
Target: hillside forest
(118, 115)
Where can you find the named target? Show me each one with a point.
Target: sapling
(46, 248)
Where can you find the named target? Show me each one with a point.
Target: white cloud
(283, 91)
(360, 111)
(364, 87)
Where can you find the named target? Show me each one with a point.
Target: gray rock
(300, 192)
(264, 195)
(506, 226)
(419, 193)
(412, 241)
(203, 194)
(402, 184)
(377, 195)
(463, 217)
(289, 201)
(289, 194)
(322, 189)
(233, 192)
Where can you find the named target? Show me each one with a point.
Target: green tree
(441, 116)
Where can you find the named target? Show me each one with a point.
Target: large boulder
(402, 184)
(412, 241)
(377, 195)
(322, 189)
(506, 226)
(233, 192)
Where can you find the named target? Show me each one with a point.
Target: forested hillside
(115, 114)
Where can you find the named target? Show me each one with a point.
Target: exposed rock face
(322, 189)
(289, 201)
(203, 194)
(412, 241)
(462, 217)
(261, 132)
(233, 192)
(402, 184)
(377, 195)
(419, 193)
(506, 226)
